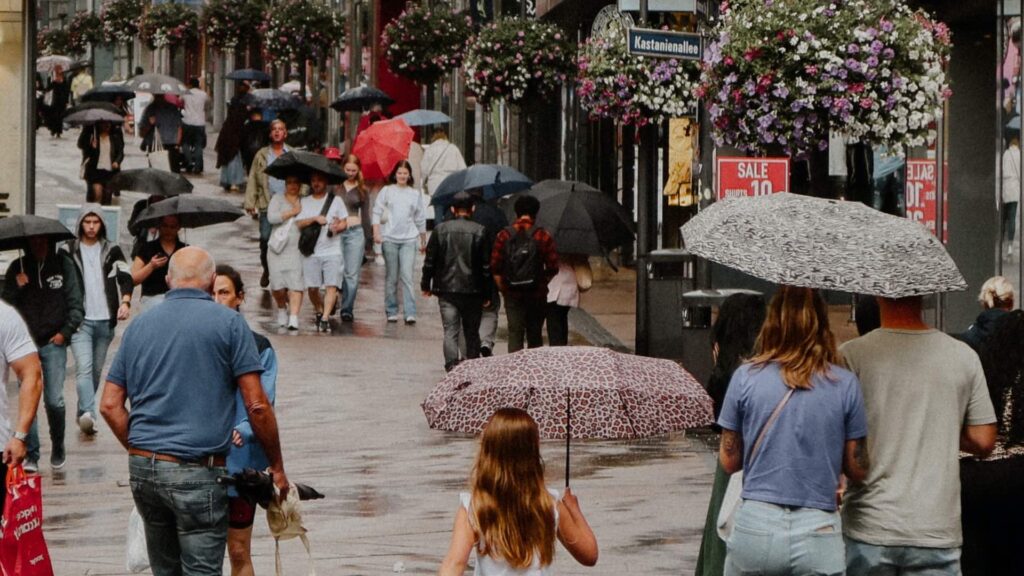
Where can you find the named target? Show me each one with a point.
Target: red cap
(332, 153)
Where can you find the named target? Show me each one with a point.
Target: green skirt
(711, 560)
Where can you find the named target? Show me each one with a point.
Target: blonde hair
(511, 509)
(796, 335)
(996, 292)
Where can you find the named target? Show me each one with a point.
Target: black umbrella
(94, 105)
(582, 219)
(249, 74)
(192, 211)
(302, 165)
(107, 93)
(495, 180)
(271, 98)
(151, 181)
(361, 98)
(156, 84)
(93, 116)
(258, 487)
(14, 230)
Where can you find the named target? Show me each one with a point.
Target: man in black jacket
(457, 270)
(43, 287)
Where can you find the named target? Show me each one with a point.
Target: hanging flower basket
(612, 83)
(518, 60)
(85, 28)
(51, 41)
(785, 72)
(228, 24)
(423, 44)
(168, 26)
(121, 20)
(298, 30)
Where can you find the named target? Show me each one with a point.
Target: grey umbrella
(192, 211)
(107, 93)
(303, 164)
(92, 116)
(156, 84)
(271, 98)
(420, 117)
(249, 74)
(816, 243)
(14, 230)
(494, 179)
(361, 98)
(151, 181)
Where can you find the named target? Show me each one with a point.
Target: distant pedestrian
(102, 151)
(926, 400)
(246, 451)
(193, 139)
(400, 226)
(255, 135)
(564, 294)
(509, 517)
(325, 267)
(492, 218)
(17, 352)
(107, 287)
(43, 286)
(353, 240)
(997, 299)
(1010, 190)
(286, 282)
(56, 98)
(161, 126)
(792, 420)
(261, 188)
(457, 270)
(149, 265)
(80, 84)
(523, 261)
(229, 142)
(183, 403)
(440, 159)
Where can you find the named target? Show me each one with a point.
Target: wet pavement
(351, 426)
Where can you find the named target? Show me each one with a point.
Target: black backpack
(524, 266)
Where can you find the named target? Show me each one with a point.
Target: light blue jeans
(353, 244)
(864, 559)
(55, 365)
(772, 540)
(185, 513)
(399, 261)
(89, 347)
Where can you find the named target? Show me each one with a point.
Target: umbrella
(108, 93)
(582, 219)
(249, 74)
(48, 63)
(420, 117)
(817, 243)
(94, 105)
(271, 98)
(303, 164)
(14, 230)
(151, 181)
(572, 392)
(381, 146)
(258, 486)
(91, 116)
(192, 211)
(361, 98)
(156, 84)
(495, 179)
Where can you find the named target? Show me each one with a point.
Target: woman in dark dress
(103, 151)
(56, 102)
(229, 142)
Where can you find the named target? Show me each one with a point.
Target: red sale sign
(922, 205)
(751, 176)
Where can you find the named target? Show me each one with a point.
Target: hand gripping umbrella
(15, 230)
(572, 392)
(151, 181)
(192, 211)
(156, 84)
(302, 165)
(361, 98)
(495, 180)
(582, 219)
(382, 146)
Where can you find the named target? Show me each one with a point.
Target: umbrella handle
(568, 433)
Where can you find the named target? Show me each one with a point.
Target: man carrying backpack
(524, 259)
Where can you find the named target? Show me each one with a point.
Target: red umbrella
(381, 146)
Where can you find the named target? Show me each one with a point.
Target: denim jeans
(193, 140)
(489, 320)
(185, 513)
(460, 314)
(864, 559)
(353, 243)
(525, 319)
(54, 359)
(89, 347)
(399, 261)
(265, 229)
(769, 539)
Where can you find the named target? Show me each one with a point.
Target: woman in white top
(1011, 184)
(286, 282)
(510, 518)
(400, 226)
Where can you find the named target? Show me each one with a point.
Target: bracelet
(128, 303)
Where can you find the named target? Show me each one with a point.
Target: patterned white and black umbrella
(829, 244)
(156, 84)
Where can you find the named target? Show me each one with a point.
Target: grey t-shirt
(920, 388)
(15, 343)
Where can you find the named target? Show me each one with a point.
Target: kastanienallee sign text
(663, 44)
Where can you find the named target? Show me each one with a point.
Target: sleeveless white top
(491, 566)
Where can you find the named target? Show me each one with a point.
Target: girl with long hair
(509, 516)
(353, 240)
(804, 416)
(400, 227)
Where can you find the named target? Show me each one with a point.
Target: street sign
(751, 176)
(664, 44)
(921, 194)
(659, 5)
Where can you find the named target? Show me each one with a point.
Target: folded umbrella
(92, 116)
(249, 74)
(108, 93)
(494, 179)
(830, 244)
(420, 117)
(258, 486)
(582, 219)
(361, 98)
(382, 146)
(151, 181)
(15, 230)
(156, 84)
(271, 98)
(46, 64)
(192, 211)
(302, 165)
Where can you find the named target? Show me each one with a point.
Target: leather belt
(211, 461)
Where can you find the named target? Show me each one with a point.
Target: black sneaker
(485, 352)
(265, 279)
(58, 458)
(319, 321)
(347, 317)
(324, 326)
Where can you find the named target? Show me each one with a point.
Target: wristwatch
(20, 436)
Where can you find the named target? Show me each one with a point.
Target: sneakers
(347, 317)
(293, 322)
(323, 326)
(393, 318)
(265, 279)
(410, 319)
(58, 458)
(87, 423)
(30, 466)
(282, 317)
(485, 352)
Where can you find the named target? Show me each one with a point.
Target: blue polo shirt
(178, 363)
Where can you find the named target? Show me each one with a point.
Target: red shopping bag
(22, 547)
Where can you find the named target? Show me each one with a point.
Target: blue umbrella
(494, 179)
(249, 74)
(420, 117)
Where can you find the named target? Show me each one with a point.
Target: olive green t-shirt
(920, 388)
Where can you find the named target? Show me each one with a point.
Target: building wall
(14, 121)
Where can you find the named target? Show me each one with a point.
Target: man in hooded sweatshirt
(43, 287)
(106, 279)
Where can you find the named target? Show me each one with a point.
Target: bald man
(180, 365)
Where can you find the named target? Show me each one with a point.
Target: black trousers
(558, 324)
(525, 318)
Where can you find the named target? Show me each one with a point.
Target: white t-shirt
(92, 278)
(496, 566)
(194, 113)
(311, 207)
(15, 343)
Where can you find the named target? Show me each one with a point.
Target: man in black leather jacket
(457, 270)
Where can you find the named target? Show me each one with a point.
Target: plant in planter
(298, 30)
(518, 60)
(54, 41)
(423, 44)
(611, 83)
(228, 24)
(121, 20)
(168, 26)
(85, 28)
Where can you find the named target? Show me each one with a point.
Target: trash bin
(667, 274)
(697, 311)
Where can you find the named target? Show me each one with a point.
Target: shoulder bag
(159, 158)
(279, 238)
(732, 498)
(310, 234)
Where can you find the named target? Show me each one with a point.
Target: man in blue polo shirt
(179, 366)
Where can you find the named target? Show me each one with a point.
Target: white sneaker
(87, 423)
(30, 466)
(379, 260)
(293, 322)
(282, 317)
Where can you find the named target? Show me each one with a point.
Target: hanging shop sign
(664, 44)
(921, 197)
(741, 176)
(659, 5)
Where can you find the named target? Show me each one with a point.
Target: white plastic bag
(137, 557)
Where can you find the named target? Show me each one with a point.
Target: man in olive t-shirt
(926, 399)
